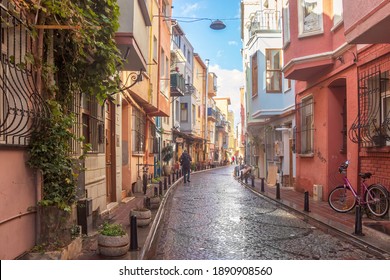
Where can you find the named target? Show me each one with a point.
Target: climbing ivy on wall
(74, 53)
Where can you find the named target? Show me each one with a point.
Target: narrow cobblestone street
(214, 217)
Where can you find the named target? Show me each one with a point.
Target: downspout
(150, 87)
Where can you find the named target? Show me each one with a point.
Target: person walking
(185, 161)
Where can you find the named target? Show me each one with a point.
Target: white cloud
(229, 83)
(189, 9)
(219, 53)
(232, 43)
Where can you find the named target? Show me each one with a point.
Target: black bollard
(253, 181)
(246, 179)
(160, 188)
(155, 191)
(173, 177)
(133, 233)
(177, 175)
(262, 184)
(306, 202)
(169, 180)
(358, 221)
(147, 202)
(242, 176)
(277, 191)
(165, 183)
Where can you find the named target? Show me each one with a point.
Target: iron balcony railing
(265, 21)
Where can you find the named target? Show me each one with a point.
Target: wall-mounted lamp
(340, 58)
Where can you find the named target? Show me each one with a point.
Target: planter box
(144, 217)
(69, 252)
(113, 246)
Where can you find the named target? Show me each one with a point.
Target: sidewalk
(121, 215)
(376, 232)
(320, 215)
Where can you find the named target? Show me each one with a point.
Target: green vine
(50, 151)
(74, 53)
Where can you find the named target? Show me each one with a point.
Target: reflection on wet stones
(216, 218)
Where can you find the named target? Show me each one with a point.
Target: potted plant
(380, 133)
(113, 240)
(167, 155)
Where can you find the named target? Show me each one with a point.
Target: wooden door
(110, 153)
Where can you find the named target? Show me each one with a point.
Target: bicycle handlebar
(343, 167)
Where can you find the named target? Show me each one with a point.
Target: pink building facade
(330, 71)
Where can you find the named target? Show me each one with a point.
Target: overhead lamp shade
(217, 25)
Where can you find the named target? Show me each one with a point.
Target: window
(310, 17)
(307, 126)
(337, 12)
(138, 131)
(162, 64)
(184, 112)
(254, 75)
(286, 23)
(287, 84)
(93, 123)
(274, 70)
(155, 47)
(193, 114)
(177, 39)
(177, 113)
(372, 125)
(153, 141)
(189, 57)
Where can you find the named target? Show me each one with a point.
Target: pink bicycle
(344, 198)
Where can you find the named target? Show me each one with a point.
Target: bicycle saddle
(366, 175)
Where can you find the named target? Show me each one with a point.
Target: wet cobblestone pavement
(214, 217)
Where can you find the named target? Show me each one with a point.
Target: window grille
(93, 123)
(21, 106)
(372, 125)
(305, 126)
(138, 131)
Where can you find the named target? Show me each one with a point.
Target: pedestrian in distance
(232, 160)
(185, 161)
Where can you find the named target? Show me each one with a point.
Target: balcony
(178, 86)
(265, 21)
(211, 114)
(220, 124)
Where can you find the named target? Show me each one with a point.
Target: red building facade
(341, 93)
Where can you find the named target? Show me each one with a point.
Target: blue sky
(221, 47)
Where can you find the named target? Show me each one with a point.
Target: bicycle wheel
(377, 200)
(341, 199)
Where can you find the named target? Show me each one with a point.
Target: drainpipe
(205, 105)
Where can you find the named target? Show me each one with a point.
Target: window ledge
(309, 155)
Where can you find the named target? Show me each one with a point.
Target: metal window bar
(138, 131)
(372, 125)
(93, 124)
(21, 106)
(305, 126)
